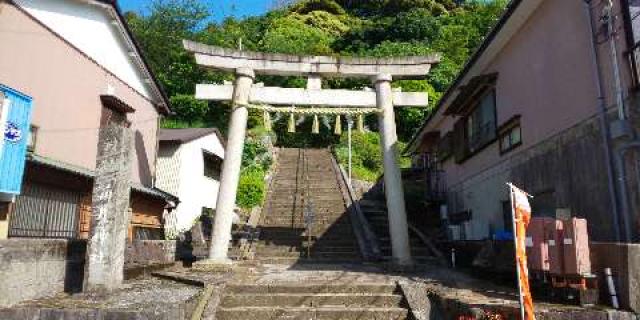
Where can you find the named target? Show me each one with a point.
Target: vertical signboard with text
(15, 122)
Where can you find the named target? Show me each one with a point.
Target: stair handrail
(367, 239)
(427, 242)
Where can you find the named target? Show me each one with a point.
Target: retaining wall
(148, 251)
(36, 268)
(33, 268)
(624, 261)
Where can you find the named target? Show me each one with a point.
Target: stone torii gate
(243, 93)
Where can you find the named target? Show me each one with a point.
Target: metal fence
(45, 212)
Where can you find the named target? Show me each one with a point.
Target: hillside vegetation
(376, 28)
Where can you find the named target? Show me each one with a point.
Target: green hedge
(251, 189)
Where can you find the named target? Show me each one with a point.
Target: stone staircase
(381, 301)
(374, 209)
(283, 235)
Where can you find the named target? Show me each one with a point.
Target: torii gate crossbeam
(244, 92)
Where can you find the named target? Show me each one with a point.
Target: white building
(189, 166)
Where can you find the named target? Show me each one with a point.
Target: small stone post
(398, 228)
(110, 213)
(221, 234)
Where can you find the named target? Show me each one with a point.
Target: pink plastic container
(553, 233)
(537, 247)
(577, 260)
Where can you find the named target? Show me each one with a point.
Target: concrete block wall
(624, 261)
(34, 268)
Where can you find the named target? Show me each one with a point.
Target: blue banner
(15, 122)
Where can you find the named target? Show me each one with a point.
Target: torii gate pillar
(223, 221)
(398, 228)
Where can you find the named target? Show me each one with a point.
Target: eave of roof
(90, 174)
(511, 8)
(166, 106)
(164, 137)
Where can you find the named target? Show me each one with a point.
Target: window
(544, 204)
(142, 233)
(212, 165)
(477, 128)
(507, 215)
(631, 15)
(445, 146)
(32, 139)
(481, 123)
(510, 135)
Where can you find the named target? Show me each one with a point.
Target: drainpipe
(622, 185)
(609, 20)
(603, 121)
(623, 129)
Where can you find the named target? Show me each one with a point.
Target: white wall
(168, 168)
(195, 190)
(90, 29)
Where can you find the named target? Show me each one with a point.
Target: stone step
(299, 224)
(303, 248)
(306, 313)
(287, 221)
(288, 206)
(288, 199)
(359, 287)
(351, 300)
(290, 261)
(323, 211)
(329, 240)
(372, 202)
(351, 256)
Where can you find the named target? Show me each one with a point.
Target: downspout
(608, 17)
(622, 185)
(634, 143)
(603, 121)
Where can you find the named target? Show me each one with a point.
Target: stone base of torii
(243, 93)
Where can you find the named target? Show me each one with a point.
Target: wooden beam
(290, 65)
(304, 97)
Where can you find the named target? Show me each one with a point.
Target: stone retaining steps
(283, 234)
(375, 210)
(312, 301)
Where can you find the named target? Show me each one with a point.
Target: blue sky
(219, 9)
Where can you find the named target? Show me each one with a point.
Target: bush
(251, 188)
(366, 155)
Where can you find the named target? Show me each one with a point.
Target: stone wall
(624, 261)
(150, 251)
(36, 268)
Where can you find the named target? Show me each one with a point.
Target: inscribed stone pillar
(110, 214)
(223, 221)
(396, 210)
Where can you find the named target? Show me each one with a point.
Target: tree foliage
(377, 28)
